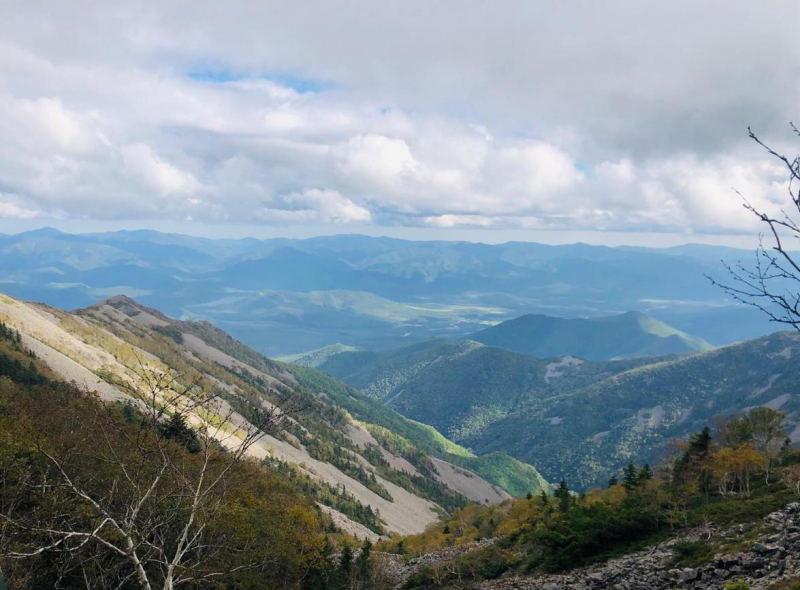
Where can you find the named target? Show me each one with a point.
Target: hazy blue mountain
(627, 335)
(260, 290)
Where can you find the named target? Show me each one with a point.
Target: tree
(630, 477)
(645, 473)
(563, 495)
(734, 431)
(363, 567)
(771, 283)
(177, 429)
(544, 498)
(612, 481)
(733, 468)
(138, 506)
(768, 433)
(345, 573)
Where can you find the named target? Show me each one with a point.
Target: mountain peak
(43, 232)
(628, 335)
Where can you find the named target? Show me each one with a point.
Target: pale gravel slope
(43, 333)
(468, 483)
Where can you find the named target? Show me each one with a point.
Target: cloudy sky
(610, 121)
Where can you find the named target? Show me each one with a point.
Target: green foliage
(171, 331)
(512, 475)
(261, 516)
(585, 532)
(178, 430)
(626, 335)
(740, 585)
(19, 370)
(583, 419)
(11, 336)
(558, 533)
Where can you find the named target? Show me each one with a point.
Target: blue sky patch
(298, 84)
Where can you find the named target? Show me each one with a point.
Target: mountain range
(374, 471)
(288, 296)
(577, 419)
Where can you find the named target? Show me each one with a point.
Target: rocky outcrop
(398, 569)
(776, 555)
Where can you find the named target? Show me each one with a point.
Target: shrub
(691, 553)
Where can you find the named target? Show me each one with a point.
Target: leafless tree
(145, 510)
(772, 284)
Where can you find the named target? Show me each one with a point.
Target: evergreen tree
(345, 567)
(363, 570)
(645, 473)
(177, 429)
(630, 477)
(563, 495)
(612, 481)
(690, 464)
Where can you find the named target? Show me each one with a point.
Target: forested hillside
(628, 335)
(373, 469)
(577, 419)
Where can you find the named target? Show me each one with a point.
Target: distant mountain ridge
(628, 335)
(402, 291)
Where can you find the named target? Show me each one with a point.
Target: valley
(575, 419)
(332, 441)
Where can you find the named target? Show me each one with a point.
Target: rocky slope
(775, 556)
(103, 348)
(769, 553)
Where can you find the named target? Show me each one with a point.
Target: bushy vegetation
(738, 474)
(261, 528)
(16, 361)
(11, 336)
(56, 475)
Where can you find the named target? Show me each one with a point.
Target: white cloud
(448, 220)
(142, 162)
(316, 206)
(10, 208)
(549, 117)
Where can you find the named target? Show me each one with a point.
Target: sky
(613, 122)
